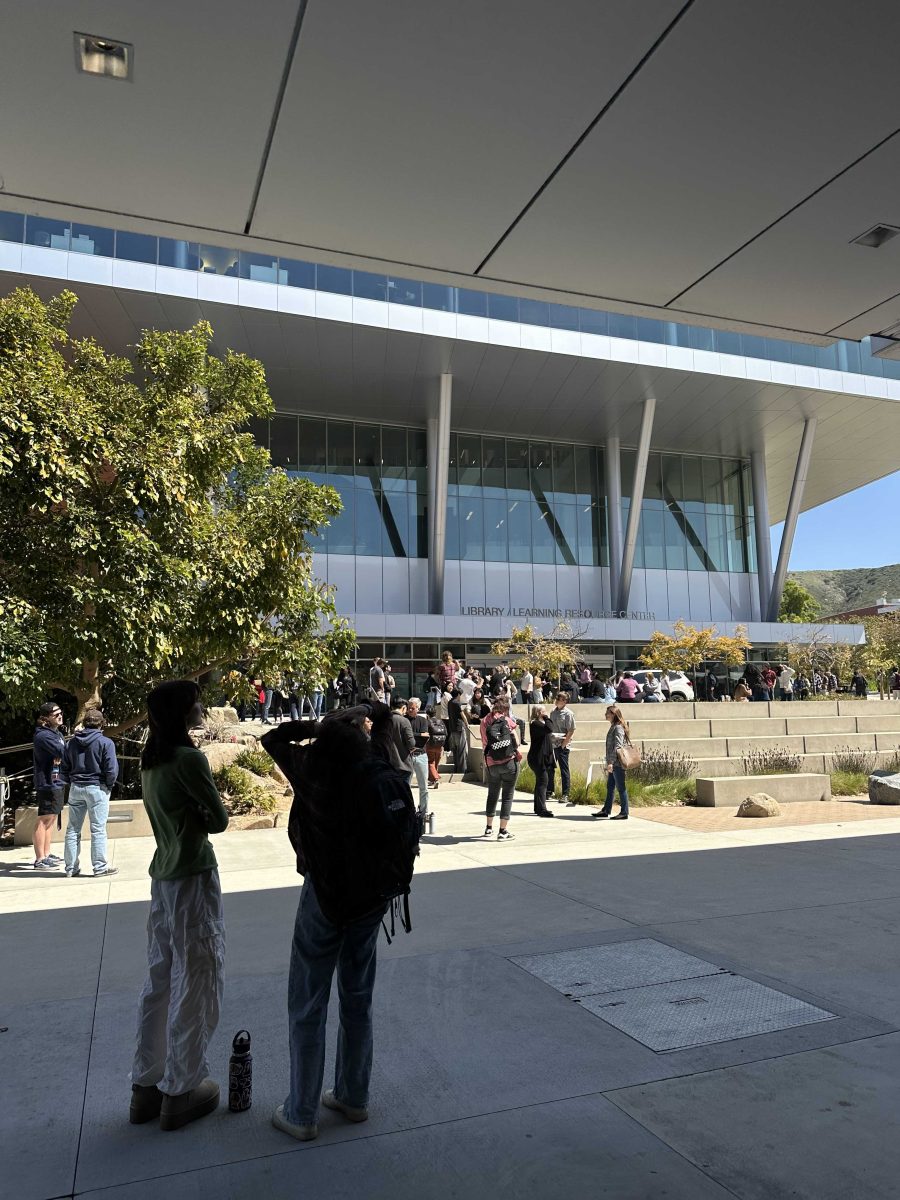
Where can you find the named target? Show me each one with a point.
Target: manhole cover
(718, 1008)
(593, 969)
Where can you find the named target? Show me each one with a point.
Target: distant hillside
(837, 591)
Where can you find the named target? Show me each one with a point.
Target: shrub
(658, 766)
(852, 762)
(848, 783)
(525, 782)
(771, 762)
(256, 761)
(893, 763)
(240, 795)
(664, 790)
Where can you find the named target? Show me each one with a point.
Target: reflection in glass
(91, 239)
(297, 274)
(503, 308)
(404, 291)
(175, 253)
(473, 304)
(136, 247)
(534, 312)
(334, 279)
(369, 286)
(262, 268)
(46, 232)
(12, 227)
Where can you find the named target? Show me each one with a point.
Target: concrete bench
(786, 789)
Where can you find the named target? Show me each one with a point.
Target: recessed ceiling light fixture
(876, 236)
(103, 56)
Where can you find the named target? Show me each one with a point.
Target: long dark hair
(168, 706)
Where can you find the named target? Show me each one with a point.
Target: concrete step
(823, 743)
(709, 747)
(869, 708)
(815, 763)
(882, 723)
(822, 724)
(724, 792)
(751, 727)
(887, 741)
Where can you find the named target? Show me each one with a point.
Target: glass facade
(513, 500)
(55, 234)
(379, 470)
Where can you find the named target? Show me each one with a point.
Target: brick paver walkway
(813, 812)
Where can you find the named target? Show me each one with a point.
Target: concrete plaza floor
(488, 1081)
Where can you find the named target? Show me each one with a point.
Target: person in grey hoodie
(90, 767)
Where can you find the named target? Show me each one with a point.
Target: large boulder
(884, 787)
(226, 715)
(222, 754)
(759, 805)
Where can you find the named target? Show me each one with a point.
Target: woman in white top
(652, 690)
(537, 691)
(786, 683)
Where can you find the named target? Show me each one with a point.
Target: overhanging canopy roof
(355, 370)
(711, 159)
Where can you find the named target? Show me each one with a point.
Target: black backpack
(360, 851)
(437, 733)
(501, 742)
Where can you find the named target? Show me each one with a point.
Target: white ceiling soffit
(414, 131)
(742, 112)
(182, 142)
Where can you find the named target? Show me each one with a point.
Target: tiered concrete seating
(717, 736)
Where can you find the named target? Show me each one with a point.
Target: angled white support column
(790, 520)
(637, 498)
(761, 525)
(614, 515)
(438, 435)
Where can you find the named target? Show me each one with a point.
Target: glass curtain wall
(514, 500)
(379, 471)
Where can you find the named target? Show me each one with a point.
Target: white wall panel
(174, 282)
(521, 586)
(544, 586)
(300, 301)
(568, 592)
(37, 260)
(418, 585)
(220, 288)
(656, 584)
(395, 582)
(496, 585)
(11, 257)
(698, 588)
(740, 597)
(637, 601)
(471, 585)
(719, 596)
(451, 587)
(342, 575)
(369, 586)
(90, 268)
(679, 595)
(139, 276)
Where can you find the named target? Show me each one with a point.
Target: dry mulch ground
(814, 812)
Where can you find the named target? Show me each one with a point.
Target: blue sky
(861, 529)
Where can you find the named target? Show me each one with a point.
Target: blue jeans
(561, 756)
(318, 948)
(616, 780)
(419, 762)
(91, 800)
(318, 699)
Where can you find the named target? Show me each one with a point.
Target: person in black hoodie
(91, 768)
(338, 781)
(49, 785)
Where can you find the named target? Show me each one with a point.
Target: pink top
(627, 689)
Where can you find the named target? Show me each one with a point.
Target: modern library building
(567, 336)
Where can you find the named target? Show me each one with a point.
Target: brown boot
(190, 1106)
(145, 1104)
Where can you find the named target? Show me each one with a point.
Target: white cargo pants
(178, 1010)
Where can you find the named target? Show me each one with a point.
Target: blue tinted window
(296, 273)
(534, 312)
(435, 295)
(473, 304)
(727, 342)
(136, 247)
(175, 253)
(803, 355)
(46, 232)
(91, 239)
(621, 325)
(593, 321)
(369, 286)
(503, 308)
(752, 346)
(404, 291)
(334, 279)
(701, 339)
(564, 316)
(12, 227)
(263, 268)
(650, 331)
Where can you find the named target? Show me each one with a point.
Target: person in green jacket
(178, 1010)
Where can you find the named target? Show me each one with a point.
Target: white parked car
(680, 687)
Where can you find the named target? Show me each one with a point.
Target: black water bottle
(240, 1073)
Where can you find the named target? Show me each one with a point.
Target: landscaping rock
(222, 754)
(760, 805)
(224, 716)
(884, 788)
(262, 823)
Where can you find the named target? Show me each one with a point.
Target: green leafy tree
(689, 647)
(143, 535)
(545, 654)
(798, 605)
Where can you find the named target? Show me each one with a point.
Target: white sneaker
(303, 1133)
(330, 1100)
